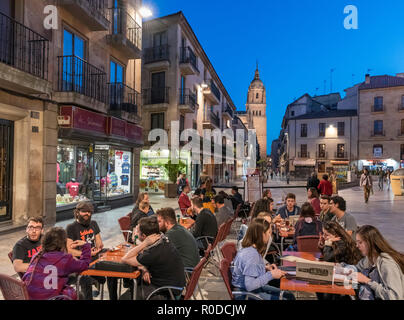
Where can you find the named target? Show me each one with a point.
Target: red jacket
(184, 203)
(325, 187)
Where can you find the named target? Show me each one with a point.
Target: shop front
(382, 164)
(6, 168)
(340, 169)
(153, 172)
(304, 168)
(95, 160)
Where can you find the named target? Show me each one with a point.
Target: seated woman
(143, 196)
(307, 225)
(262, 205)
(250, 272)
(48, 272)
(337, 246)
(313, 198)
(381, 271)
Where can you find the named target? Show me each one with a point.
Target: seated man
(223, 213)
(180, 237)
(158, 259)
(28, 246)
(87, 230)
(345, 219)
(205, 223)
(236, 197)
(183, 201)
(140, 212)
(289, 209)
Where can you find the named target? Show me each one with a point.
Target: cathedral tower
(256, 112)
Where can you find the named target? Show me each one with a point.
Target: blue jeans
(268, 292)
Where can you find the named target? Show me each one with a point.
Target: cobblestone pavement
(383, 211)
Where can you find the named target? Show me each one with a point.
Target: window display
(73, 174)
(88, 172)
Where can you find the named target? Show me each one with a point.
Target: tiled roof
(382, 82)
(327, 114)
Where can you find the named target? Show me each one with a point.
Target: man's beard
(84, 222)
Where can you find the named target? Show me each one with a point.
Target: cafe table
(187, 223)
(306, 286)
(113, 256)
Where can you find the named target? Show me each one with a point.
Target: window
(160, 39)
(321, 129)
(182, 124)
(341, 151)
(292, 113)
(73, 61)
(157, 121)
(378, 150)
(258, 95)
(321, 167)
(321, 150)
(402, 152)
(401, 106)
(378, 127)
(116, 73)
(378, 104)
(341, 129)
(402, 126)
(303, 151)
(303, 130)
(73, 45)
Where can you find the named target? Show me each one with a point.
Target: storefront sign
(84, 119)
(377, 152)
(116, 127)
(64, 120)
(304, 163)
(134, 133)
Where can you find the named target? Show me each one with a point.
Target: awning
(340, 162)
(304, 162)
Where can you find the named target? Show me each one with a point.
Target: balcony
(24, 57)
(322, 155)
(156, 99)
(211, 121)
(157, 58)
(124, 33)
(303, 155)
(401, 107)
(188, 61)
(81, 83)
(187, 101)
(93, 13)
(341, 155)
(211, 92)
(378, 108)
(123, 102)
(227, 112)
(379, 133)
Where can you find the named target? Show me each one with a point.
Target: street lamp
(145, 12)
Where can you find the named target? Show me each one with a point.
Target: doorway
(6, 168)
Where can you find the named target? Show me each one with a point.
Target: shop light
(145, 12)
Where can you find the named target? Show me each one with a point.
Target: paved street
(382, 211)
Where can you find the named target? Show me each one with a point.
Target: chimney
(367, 77)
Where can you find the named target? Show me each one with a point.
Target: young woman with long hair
(53, 260)
(381, 271)
(313, 198)
(250, 272)
(337, 245)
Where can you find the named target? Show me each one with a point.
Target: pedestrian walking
(367, 184)
(381, 179)
(388, 174)
(272, 175)
(226, 176)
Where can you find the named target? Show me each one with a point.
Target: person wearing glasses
(28, 246)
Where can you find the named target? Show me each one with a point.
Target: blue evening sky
(296, 42)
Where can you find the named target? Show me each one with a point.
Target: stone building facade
(381, 122)
(63, 92)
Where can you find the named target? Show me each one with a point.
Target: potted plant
(172, 170)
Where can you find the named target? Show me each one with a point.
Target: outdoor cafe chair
(170, 291)
(226, 275)
(308, 243)
(14, 289)
(10, 256)
(229, 251)
(124, 223)
(194, 279)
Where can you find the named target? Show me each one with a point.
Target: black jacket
(312, 182)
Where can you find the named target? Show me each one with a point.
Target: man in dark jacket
(313, 181)
(236, 197)
(205, 224)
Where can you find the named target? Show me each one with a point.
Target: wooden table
(187, 223)
(305, 286)
(115, 256)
